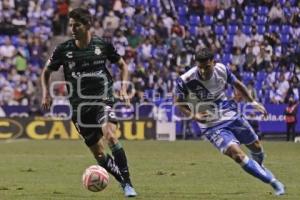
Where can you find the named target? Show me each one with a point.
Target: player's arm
(45, 78)
(124, 80)
(247, 96)
(52, 64)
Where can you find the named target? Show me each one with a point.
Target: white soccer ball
(95, 178)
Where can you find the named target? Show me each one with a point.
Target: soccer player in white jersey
(200, 95)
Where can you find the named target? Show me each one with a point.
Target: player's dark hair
(82, 15)
(204, 55)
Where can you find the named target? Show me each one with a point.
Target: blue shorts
(238, 131)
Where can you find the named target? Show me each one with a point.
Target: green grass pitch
(51, 170)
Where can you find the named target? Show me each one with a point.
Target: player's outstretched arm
(46, 99)
(244, 91)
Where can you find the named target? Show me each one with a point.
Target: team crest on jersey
(71, 64)
(97, 51)
(69, 54)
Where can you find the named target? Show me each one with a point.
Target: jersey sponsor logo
(69, 54)
(97, 51)
(71, 64)
(80, 74)
(97, 62)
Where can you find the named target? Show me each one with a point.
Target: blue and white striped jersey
(208, 95)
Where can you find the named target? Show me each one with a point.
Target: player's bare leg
(109, 130)
(252, 167)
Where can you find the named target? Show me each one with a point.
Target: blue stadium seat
(246, 30)
(247, 20)
(226, 58)
(232, 29)
(154, 3)
(249, 10)
(182, 10)
(247, 77)
(282, 2)
(285, 29)
(261, 29)
(261, 75)
(194, 20)
(284, 38)
(263, 10)
(140, 30)
(14, 40)
(273, 28)
(141, 3)
(208, 20)
(228, 48)
(287, 11)
(2, 39)
(219, 29)
(229, 39)
(261, 20)
(193, 30)
(182, 20)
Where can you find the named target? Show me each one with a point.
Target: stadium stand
(151, 42)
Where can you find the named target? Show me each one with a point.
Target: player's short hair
(82, 15)
(204, 55)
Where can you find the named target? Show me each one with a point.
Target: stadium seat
(261, 20)
(284, 38)
(263, 10)
(261, 29)
(285, 29)
(249, 10)
(194, 20)
(193, 30)
(182, 20)
(282, 2)
(246, 30)
(247, 20)
(15, 40)
(154, 3)
(182, 10)
(228, 48)
(232, 29)
(226, 58)
(273, 28)
(219, 29)
(208, 20)
(140, 30)
(229, 39)
(2, 39)
(141, 3)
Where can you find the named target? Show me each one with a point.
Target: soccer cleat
(129, 190)
(278, 187)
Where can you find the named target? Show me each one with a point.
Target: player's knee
(111, 138)
(238, 157)
(235, 153)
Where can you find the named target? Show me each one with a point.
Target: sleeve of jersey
(55, 61)
(112, 54)
(181, 91)
(231, 78)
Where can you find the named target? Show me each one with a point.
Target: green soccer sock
(121, 160)
(110, 165)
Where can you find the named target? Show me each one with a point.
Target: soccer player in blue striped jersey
(200, 95)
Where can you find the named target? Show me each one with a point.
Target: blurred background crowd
(257, 39)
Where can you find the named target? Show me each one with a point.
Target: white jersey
(209, 95)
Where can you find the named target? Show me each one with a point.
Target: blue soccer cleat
(278, 187)
(129, 190)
